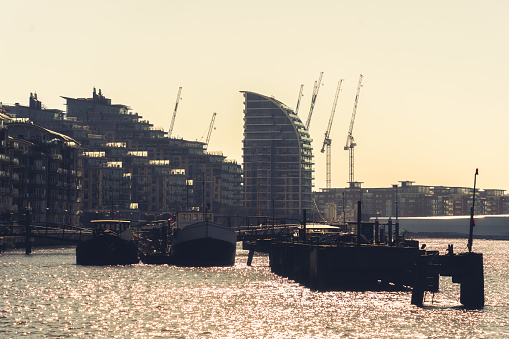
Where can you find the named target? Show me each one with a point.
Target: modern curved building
(278, 158)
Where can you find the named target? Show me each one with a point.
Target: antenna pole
(472, 221)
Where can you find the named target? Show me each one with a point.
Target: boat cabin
(117, 226)
(192, 217)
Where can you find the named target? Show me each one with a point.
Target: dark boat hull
(204, 252)
(106, 250)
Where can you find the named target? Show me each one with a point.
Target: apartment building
(39, 175)
(163, 174)
(278, 158)
(407, 199)
(212, 180)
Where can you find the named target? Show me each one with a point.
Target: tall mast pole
(472, 221)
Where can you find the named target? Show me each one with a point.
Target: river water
(46, 294)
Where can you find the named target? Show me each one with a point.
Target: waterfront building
(106, 188)
(163, 174)
(55, 120)
(278, 158)
(44, 176)
(408, 200)
(8, 209)
(121, 183)
(204, 170)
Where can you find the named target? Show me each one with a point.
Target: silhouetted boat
(112, 244)
(200, 242)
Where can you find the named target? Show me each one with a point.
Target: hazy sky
(434, 104)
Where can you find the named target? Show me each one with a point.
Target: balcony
(56, 156)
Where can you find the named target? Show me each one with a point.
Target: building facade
(43, 178)
(127, 160)
(187, 176)
(278, 158)
(407, 200)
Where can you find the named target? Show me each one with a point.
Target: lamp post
(472, 221)
(28, 230)
(272, 215)
(396, 229)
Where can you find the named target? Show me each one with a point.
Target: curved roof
(55, 134)
(4, 117)
(298, 125)
(277, 102)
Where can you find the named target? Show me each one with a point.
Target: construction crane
(350, 142)
(174, 113)
(316, 88)
(210, 129)
(298, 100)
(327, 140)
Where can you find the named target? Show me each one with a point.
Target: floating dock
(376, 267)
(376, 259)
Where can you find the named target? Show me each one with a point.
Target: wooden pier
(378, 267)
(372, 256)
(25, 236)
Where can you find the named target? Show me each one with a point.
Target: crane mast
(210, 129)
(316, 88)
(327, 140)
(298, 100)
(174, 113)
(350, 142)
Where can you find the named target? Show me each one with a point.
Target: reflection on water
(46, 294)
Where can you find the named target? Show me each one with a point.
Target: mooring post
(273, 218)
(419, 281)
(28, 232)
(164, 237)
(472, 220)
(251, 254)
(318, 273)
(296, 263)
(396, 233)
(274, 257)
(305, 267)
(359, 217)
(389, 235)
(314, 273)
(377, 232)
(472, 281)
(304, 230)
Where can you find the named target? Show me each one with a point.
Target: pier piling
(250, 256)
(389, 233)
(419, 287)
(376, 267)
(472, 281)
(28, 232)
(371, 257)
(465, 269)
(377, 232)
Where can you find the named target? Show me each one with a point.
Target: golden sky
(433, 106)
